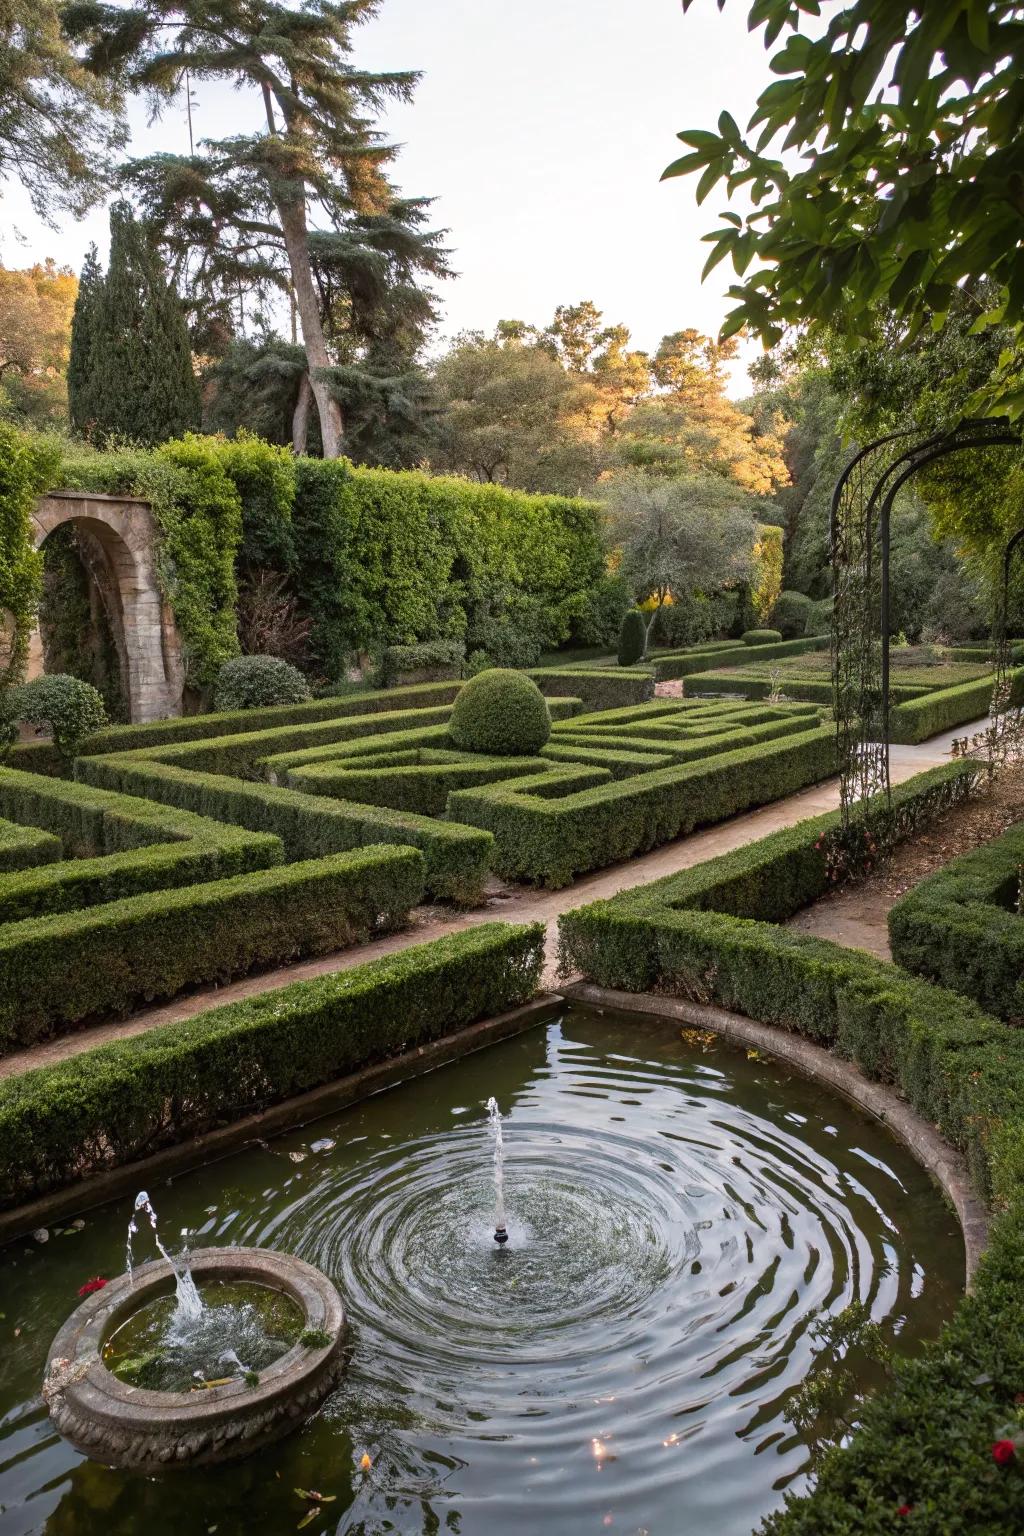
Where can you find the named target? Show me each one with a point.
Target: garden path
(510, 904)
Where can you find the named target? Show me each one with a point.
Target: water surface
(680, 1214)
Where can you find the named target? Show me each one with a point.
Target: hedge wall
(946, 708)
(669, 664)
(456, 858)
(119, 1102)
(60, 969)
(115, 846)
(26, 847)
(552, 840)
(419, 781)
(963, 927)
(597, 689)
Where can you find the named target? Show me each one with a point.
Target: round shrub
(255, 682)
(500, 712)
(790, 614)
(761, 637)
(632, 638)
(69, 708)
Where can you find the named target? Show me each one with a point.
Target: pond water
(680, 1215)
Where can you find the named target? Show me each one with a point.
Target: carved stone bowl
(122, 1425)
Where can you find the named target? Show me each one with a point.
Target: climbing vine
(27, 466)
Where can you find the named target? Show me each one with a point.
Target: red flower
(95, 1284)
(1003, 1452)
(905, 1509)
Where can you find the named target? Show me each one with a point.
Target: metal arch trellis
(859, 550)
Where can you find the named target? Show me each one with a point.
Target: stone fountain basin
(126, 1426)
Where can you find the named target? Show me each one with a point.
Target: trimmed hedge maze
(138, 900)
(608, 785)
(923, 1443)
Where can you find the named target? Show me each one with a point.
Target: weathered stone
(125, 1426)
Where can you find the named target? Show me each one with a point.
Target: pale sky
(541, 128)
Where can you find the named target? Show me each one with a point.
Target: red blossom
(95, 1284)
(1003, 1452)
(905, 1509)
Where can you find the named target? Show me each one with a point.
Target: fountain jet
(500, 1229)
(189, 1303)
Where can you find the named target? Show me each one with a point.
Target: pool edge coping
(920, 1138)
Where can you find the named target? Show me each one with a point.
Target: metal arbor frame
(859, 527)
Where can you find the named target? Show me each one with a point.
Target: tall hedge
(25, 468)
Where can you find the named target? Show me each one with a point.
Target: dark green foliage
(708, 658)
(70, 709)
(632, 638)
(761, 637)
(595, 688)
(258, 682)
(457, 858)
(502, 713)
(26, 468)
(26, 847)
(601, 611)
(962, 927)
(428, 661)
(74, 624)
(122, 1101)
(135, 380)
(616, 941)
(744, 614)
(413, 780)
(941, 710)
(59, 969)
(819, 617)
(549, 840)
(84, 374)
(114, 846)
(790, 614)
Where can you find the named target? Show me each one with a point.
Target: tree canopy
(883, 168)
(35, 331)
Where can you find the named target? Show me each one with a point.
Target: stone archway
(119, 538)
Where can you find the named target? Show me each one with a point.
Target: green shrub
(27, 847)
(550, 840)
(819, 617)
(60, 969)
(791, 613)
(258, 682)
(942, 709)
(632, 638)
(430, 660)
(119, 1102)
(501, 713)
(69, 708)
(962, 927)
(27, 467)
(761, 637)
(595, 689)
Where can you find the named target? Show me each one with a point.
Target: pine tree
(85, 321)
(135, 351)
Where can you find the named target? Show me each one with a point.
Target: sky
(541, 128)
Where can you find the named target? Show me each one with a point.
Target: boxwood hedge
(963, 926)
(119, 1102)
(27, 847)
(58, 970)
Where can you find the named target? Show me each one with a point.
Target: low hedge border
(122, 1101)
(616, 942)
(945, 708)
(962, 927)
(419, 785)
(135, 846)
(457, 858)
(56, 971)
(549, 841)
(27, 847)
(37, 756)
(597, 689)
(809, 690)
(673, 664)
(923, 1444)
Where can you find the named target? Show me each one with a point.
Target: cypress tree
(142, 381)
(85, 322)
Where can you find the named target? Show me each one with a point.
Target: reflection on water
(678, 1219)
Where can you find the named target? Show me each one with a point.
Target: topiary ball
(500, 712)
(258, 682)
(632, 638)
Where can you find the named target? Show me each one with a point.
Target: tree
(510, 413)
(57, 128)
(907, 121)
(249, 205)
(83, 375)
(676, 538)
(35, 330)
(133, 374)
